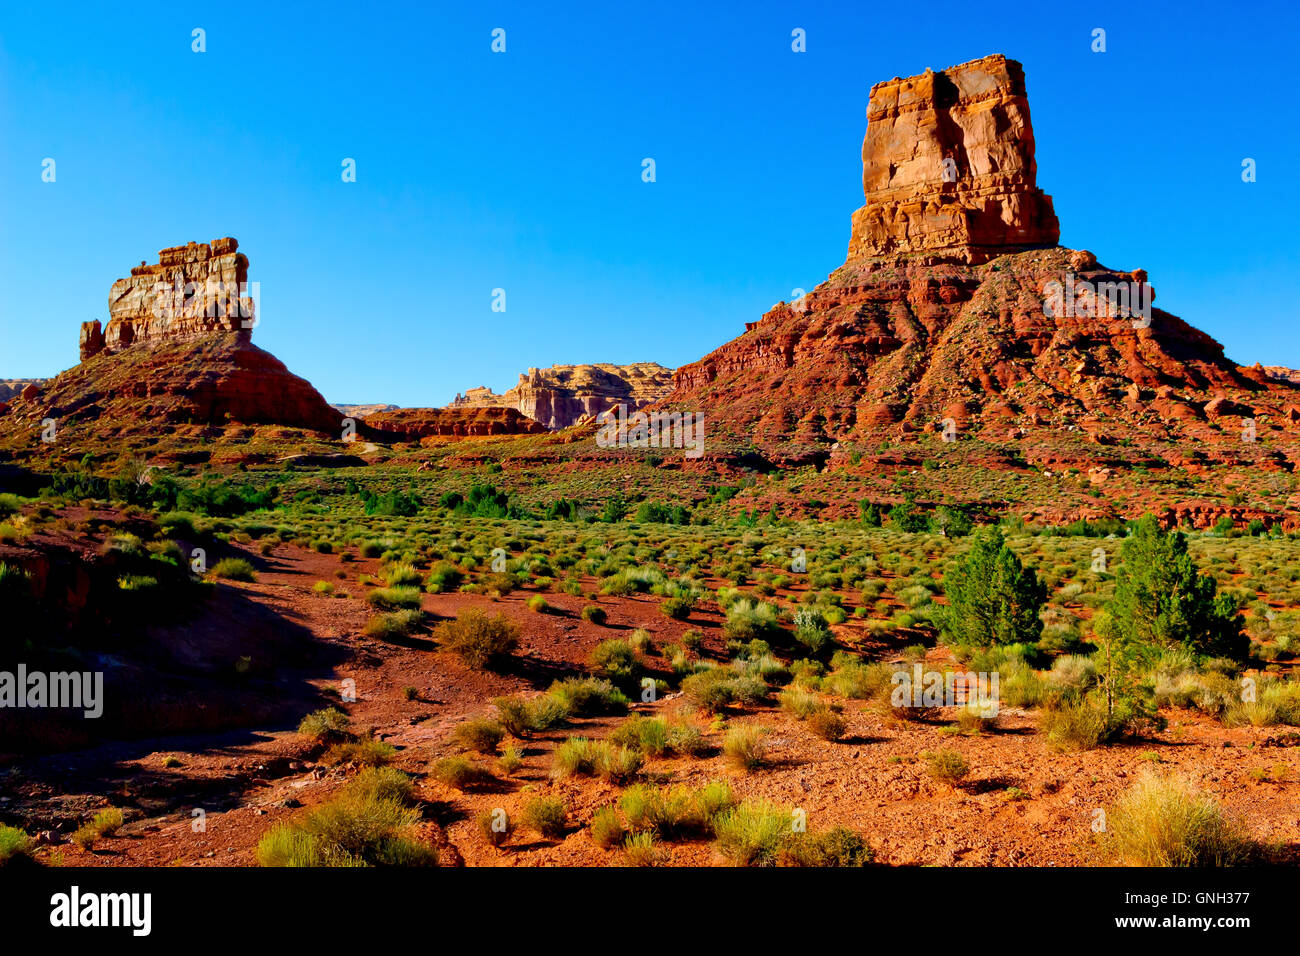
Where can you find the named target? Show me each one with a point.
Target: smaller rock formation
(177, 349)
(561, 395)
(362, 411)
(13, 387)
(415, 424)
(1282, 374)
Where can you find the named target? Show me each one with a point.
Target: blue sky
(522, 170)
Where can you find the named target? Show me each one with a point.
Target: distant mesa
(11, 388)
(562, 395)
(1282, 374)
(361, 411)
(419, 424)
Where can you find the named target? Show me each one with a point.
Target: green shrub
(588, 696)
(401, 575)
(394, 598)
(838, 846)
(495, 826)
(747, 621)
(649, 735)
(478, 640)
(677, 608)
(745, 747)
(15, 844)
(480, 735)
(827, 724)
(353, 830)
(992, 597)
(1167, 822)
(678, 813)
(546, 817)
(105, 823)
(362, 753)
(444, 577)
(607, 828)
(393, 625)
(947, 766)
(1162, 601)
(615, 659)
(522, 716)
(642, 850)
(1078, 725)
(512, 758)
(751, 833)
(234, 569)
(594, 614)
(324, 726)
(382, 783)
(460, 772)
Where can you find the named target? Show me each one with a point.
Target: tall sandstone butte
(177, 349)
(192, 291)
(948, 166)
(938, 320)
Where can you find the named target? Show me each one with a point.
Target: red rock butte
(177, 349)
(948, 167)
(943, 317)
(191, 291)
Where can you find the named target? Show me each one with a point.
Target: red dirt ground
(872, 781)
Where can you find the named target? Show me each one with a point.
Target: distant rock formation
(1282, 374)
(561, 395)
(415, 424)
(361, 411)
(13, 387)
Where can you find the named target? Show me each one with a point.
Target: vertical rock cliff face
(956, 309)
(948, 166)
(177, 349)
(191, 291)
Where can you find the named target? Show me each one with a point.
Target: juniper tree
(992, 597)
(1163, 602)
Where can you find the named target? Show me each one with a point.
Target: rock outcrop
(948, 166)
(415, 424)
(177, 350)
(561, 395)
(192, 291)
(957, 313)
(11, 388)
(1282, 374)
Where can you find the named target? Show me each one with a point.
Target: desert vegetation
(746, 644)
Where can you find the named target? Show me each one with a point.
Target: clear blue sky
(523, 170)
